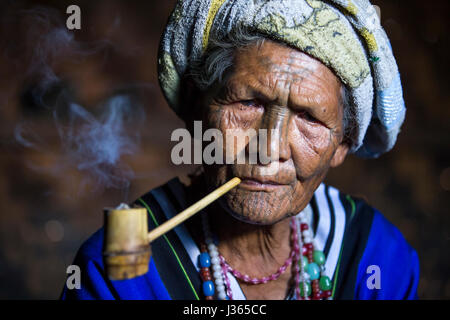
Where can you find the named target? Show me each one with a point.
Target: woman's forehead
(272, 69)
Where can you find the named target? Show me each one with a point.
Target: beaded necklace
(309, 278)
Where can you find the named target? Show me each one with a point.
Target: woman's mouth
(259, 184)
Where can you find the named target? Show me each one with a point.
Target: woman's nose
(275, 141)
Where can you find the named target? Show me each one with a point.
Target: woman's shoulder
(381, 230)
(363, 215)
(390, 257)
(376, 255)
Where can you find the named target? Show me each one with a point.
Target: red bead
(316, 296)
(315, 285)
(326, 293)
(304, 251)
(303, 227)
(309, 246)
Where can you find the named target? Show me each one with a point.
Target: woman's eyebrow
(304, 103)
(247, 89)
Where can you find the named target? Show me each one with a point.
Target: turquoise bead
(313, 271)
(308, 289)
(204, 260)
(208, 288)
(319, 257)
(324, 283)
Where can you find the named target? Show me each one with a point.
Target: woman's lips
(259, 185)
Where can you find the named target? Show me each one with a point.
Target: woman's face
(276, 87)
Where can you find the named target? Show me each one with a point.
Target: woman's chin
(247, 213)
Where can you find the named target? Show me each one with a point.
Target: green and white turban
(345, 35)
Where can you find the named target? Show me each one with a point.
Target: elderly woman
(322, 75)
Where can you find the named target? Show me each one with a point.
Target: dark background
(46, 214)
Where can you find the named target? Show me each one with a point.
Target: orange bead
(205, 274)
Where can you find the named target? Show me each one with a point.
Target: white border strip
(324, 226)
(336, 244)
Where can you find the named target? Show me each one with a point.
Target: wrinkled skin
(272, 87)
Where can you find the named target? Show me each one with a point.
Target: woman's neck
(258, 251)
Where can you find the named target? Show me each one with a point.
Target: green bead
(304, 262)
(313, 270)
(324, 283)
(308, 289)
(319, 257)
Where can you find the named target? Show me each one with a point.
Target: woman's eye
(249, 103)
(307, 116)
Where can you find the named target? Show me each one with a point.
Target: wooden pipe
(126, 249)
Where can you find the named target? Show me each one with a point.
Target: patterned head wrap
(345, 35)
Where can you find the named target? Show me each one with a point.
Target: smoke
(52, 44)
(26, 137)
(93, 142)
(96, 145)
(36, 42)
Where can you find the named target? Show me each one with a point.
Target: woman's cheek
(311, 148)
(212, 116)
